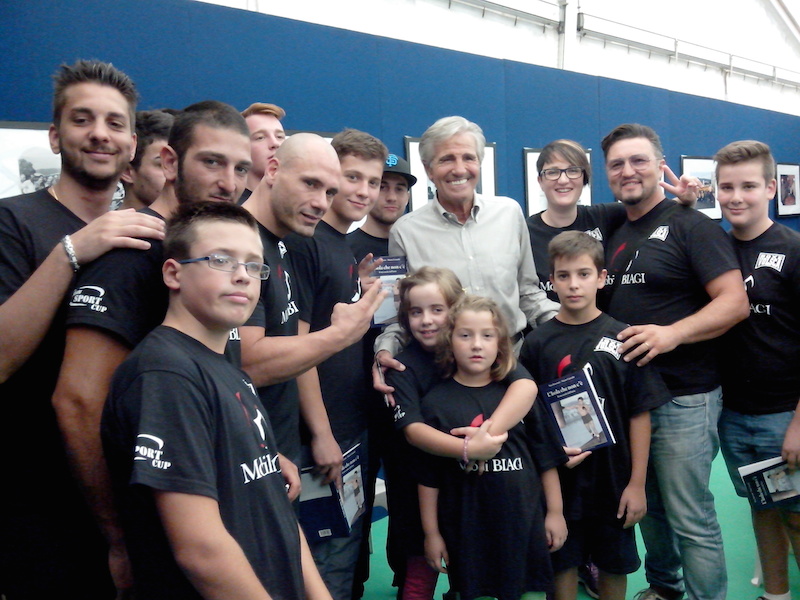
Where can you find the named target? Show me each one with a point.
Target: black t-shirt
(761, 355)
(30, 227)
(665, 281)
(379, 416)
(553, 350)
(278, 312)
(180, 418)
(123, 294)
(363, 243)
(598, 220)
(492, 524)
(37, 480)
(327, 273)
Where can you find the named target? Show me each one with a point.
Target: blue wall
(179, 52)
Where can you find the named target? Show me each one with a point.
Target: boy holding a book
(603, 490)
(760, 355)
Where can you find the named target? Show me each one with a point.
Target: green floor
(734, 516)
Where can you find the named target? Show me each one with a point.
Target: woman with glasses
(564, 171)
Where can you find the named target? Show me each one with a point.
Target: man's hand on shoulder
(116, 229)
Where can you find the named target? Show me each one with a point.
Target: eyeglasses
(638, 163)
(223, 262)
(555, 174)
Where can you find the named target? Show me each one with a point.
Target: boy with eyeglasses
(190, 449)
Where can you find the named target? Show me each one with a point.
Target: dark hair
(505, 360)
(359, 143)
(210, 113)
(572, 244)
(91, 71)
(182, 225)
(571, 152)
(264, 108)
(633, 130)
(151, 125)
(448, 283)
(745, 151)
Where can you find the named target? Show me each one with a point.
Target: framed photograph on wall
(424, 190)
(788, 176)
(27, 163)
(702, 167)
(325, 135)
(535, 200)
(488, 182)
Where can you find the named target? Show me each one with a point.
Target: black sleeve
(710, 250)
(428, 469)
(517, 373)
(407, 397)
(610, 216)
(176, 411)
(122, 293)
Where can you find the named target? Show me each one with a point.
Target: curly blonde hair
(505, 360)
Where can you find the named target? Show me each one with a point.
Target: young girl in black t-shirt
(425, 301)
(486, 526)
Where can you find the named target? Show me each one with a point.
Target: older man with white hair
(482, 238)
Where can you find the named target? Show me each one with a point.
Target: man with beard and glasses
(674, 276)
(50, 545)
(118, 299)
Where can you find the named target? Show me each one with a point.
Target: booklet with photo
(392, 270)
(325, 510)
(577, 411)
(770, 482)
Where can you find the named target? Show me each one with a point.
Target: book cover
(770, 482)
(577, 411)
(327, 511)
(392, 270)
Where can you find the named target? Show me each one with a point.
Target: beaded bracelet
(70, 250)
(464, 456)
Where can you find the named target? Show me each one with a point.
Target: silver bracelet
(70, 250)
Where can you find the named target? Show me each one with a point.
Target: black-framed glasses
(223, 262)
(555, 174)
(638, 163)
